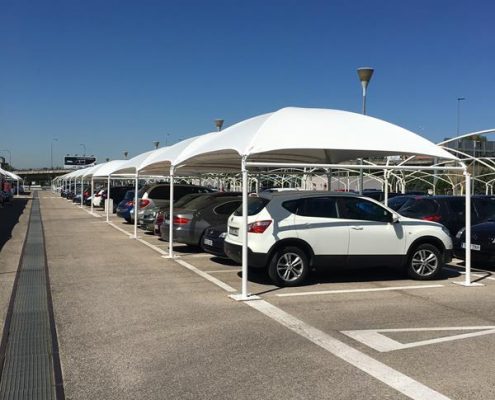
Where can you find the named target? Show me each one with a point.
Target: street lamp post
(156, 143)
(51, 152)
(219, 124)
(126, 153)
(459, 99)
(364, 74)
(10, 156)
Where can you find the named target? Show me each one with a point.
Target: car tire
(128, 220)
(289, 266)
(425, 262)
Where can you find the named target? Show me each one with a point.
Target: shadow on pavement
(9, 217)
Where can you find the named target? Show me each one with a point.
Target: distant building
(479, 147)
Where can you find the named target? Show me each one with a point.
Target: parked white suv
(292, 233)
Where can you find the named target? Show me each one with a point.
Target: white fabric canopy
(131, 166)
(107, 169)
(161, 160)
(9, 174)
(306, 135)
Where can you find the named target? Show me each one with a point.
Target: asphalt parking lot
(132, 323)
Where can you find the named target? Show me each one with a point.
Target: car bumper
(255, 260)
(215, 248)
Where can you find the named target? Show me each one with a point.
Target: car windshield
(397, 202)
(255, 205)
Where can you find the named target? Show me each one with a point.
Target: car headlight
(222, 235)
(459, 234)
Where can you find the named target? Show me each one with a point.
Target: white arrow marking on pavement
(375, 339)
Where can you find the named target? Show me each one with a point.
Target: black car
(448, 210)
(482, 243)
(213, 240)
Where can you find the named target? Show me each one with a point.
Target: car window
(228, 208)
(160, 192)
(485, 207)
(255, 205)
(291, 205)
(361, 209)
(320, 207)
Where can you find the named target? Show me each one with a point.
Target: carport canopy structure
(302, 137)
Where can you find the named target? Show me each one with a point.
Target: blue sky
(117, 75)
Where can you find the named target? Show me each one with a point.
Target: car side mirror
(394, 218)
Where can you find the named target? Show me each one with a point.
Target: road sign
(75, 162)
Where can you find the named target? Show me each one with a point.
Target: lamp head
(219, 124)
(156, 144)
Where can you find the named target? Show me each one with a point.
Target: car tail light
(143, 203)
(159, 218)
(130, 204)
(259, 226)
(434, 218)
(181, 220)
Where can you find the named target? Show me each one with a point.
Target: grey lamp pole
(459, 99)
(51, 152)
(219, 124)
(10, 156)
(126, 153)
(364, 74)
(156, 144)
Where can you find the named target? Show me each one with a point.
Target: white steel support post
(82, 191)
(385, 191)
(108, 199)
(244, 231)
(136, 204)
(92, 192)
(171, 216)
(467, 233)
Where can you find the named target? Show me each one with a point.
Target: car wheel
(425, 262)
(289, 266)
(128, 220)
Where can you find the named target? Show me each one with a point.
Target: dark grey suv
(191, 221)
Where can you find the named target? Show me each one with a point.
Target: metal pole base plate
(241, 297)
(472, 284)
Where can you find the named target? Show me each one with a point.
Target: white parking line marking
(359, 290)
(476, 275)
(395, 379)
(375, 339)
(120, 229)
(152, 246)
(224, 270)
(210, 278)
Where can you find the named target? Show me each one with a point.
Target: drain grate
(31, 369)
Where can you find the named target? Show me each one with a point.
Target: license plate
(476, 247)
(233, 231)
(208, 242)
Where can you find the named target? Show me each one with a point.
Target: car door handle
(357, 228)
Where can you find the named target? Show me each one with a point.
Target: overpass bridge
(40, 176)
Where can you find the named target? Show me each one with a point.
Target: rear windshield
(186, 199)
(397, 202)
(255, 205)
(129, 195)
(418, 208)
(199, 201)
(485, 207)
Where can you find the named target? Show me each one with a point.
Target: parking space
(417, 339)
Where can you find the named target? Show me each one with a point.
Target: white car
(292, 233)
